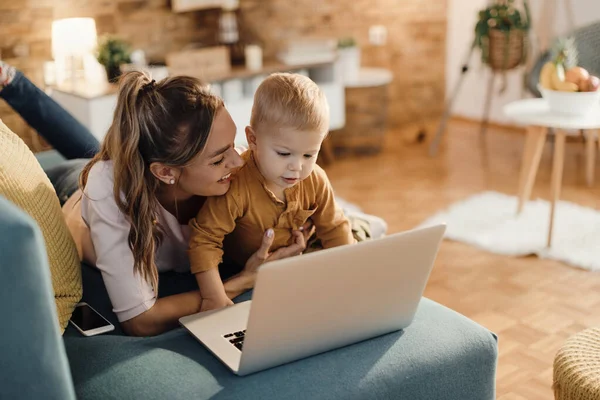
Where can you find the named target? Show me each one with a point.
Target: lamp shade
(73, 36)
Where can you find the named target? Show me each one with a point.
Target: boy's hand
(214, 304)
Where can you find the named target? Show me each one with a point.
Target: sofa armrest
(34, 363)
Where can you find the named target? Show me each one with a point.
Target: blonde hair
(166, 122)
(290, 100)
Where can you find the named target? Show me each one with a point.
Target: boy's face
(285, 156)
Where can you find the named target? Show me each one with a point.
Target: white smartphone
(89, 321)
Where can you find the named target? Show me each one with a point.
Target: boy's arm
(332, 226)
(215, 220)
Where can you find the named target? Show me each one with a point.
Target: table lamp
(73, 40)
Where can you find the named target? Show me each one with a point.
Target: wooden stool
(326, 155)
(577, 367)
(366, 113)
(536, 114)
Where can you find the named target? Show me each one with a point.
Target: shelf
(89, 92)
(94, 106)
(268, 68)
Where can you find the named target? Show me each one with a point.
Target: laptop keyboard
(236, 339)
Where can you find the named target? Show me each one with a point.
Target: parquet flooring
(532, 304)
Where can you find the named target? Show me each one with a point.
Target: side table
(366, 112)
(538, 117)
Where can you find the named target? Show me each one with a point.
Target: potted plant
(501, 34)
(349, 56)
(112, 53)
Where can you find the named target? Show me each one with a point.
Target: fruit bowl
(572, 103)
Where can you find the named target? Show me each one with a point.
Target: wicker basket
(506, 50)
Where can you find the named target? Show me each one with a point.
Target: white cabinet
(240, 113)
(94, 111)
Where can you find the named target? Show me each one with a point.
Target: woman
(170, 145)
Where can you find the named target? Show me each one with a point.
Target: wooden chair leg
(532, 154)
(488, 103)
(530, 139)
(557, 173)
(590, 162)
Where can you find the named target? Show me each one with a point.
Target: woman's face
(210, 172)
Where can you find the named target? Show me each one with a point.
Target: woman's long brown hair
(166, 122)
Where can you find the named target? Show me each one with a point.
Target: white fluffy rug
(489, 221)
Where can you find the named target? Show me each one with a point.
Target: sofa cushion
(33, 362)
(442, 355)
(23, 182)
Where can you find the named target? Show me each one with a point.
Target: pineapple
(564, 56)
(565, 52)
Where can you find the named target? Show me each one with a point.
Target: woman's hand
(308, 229)
(263, 254)
(246, 279)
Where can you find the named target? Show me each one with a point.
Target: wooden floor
(532, 304)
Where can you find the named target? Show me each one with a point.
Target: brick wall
(415, 50)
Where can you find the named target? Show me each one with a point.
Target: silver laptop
(320, 301)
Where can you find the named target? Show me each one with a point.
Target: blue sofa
(442, 355)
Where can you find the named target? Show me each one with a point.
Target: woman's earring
(172, 182)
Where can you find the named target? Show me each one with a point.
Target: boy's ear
(251, 138)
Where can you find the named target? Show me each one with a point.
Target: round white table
(536, 114)
(369, 77)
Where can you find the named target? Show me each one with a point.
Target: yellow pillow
(23, 182)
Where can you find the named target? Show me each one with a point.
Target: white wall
(462, 16)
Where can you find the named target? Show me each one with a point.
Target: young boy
(279, 187)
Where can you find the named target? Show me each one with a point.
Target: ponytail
(165, 122)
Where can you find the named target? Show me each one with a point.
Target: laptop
(316, 302)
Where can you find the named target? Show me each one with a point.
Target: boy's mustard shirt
(236, 222)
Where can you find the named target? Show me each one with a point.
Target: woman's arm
(163, 315)
(212, 290)
(239, 284)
